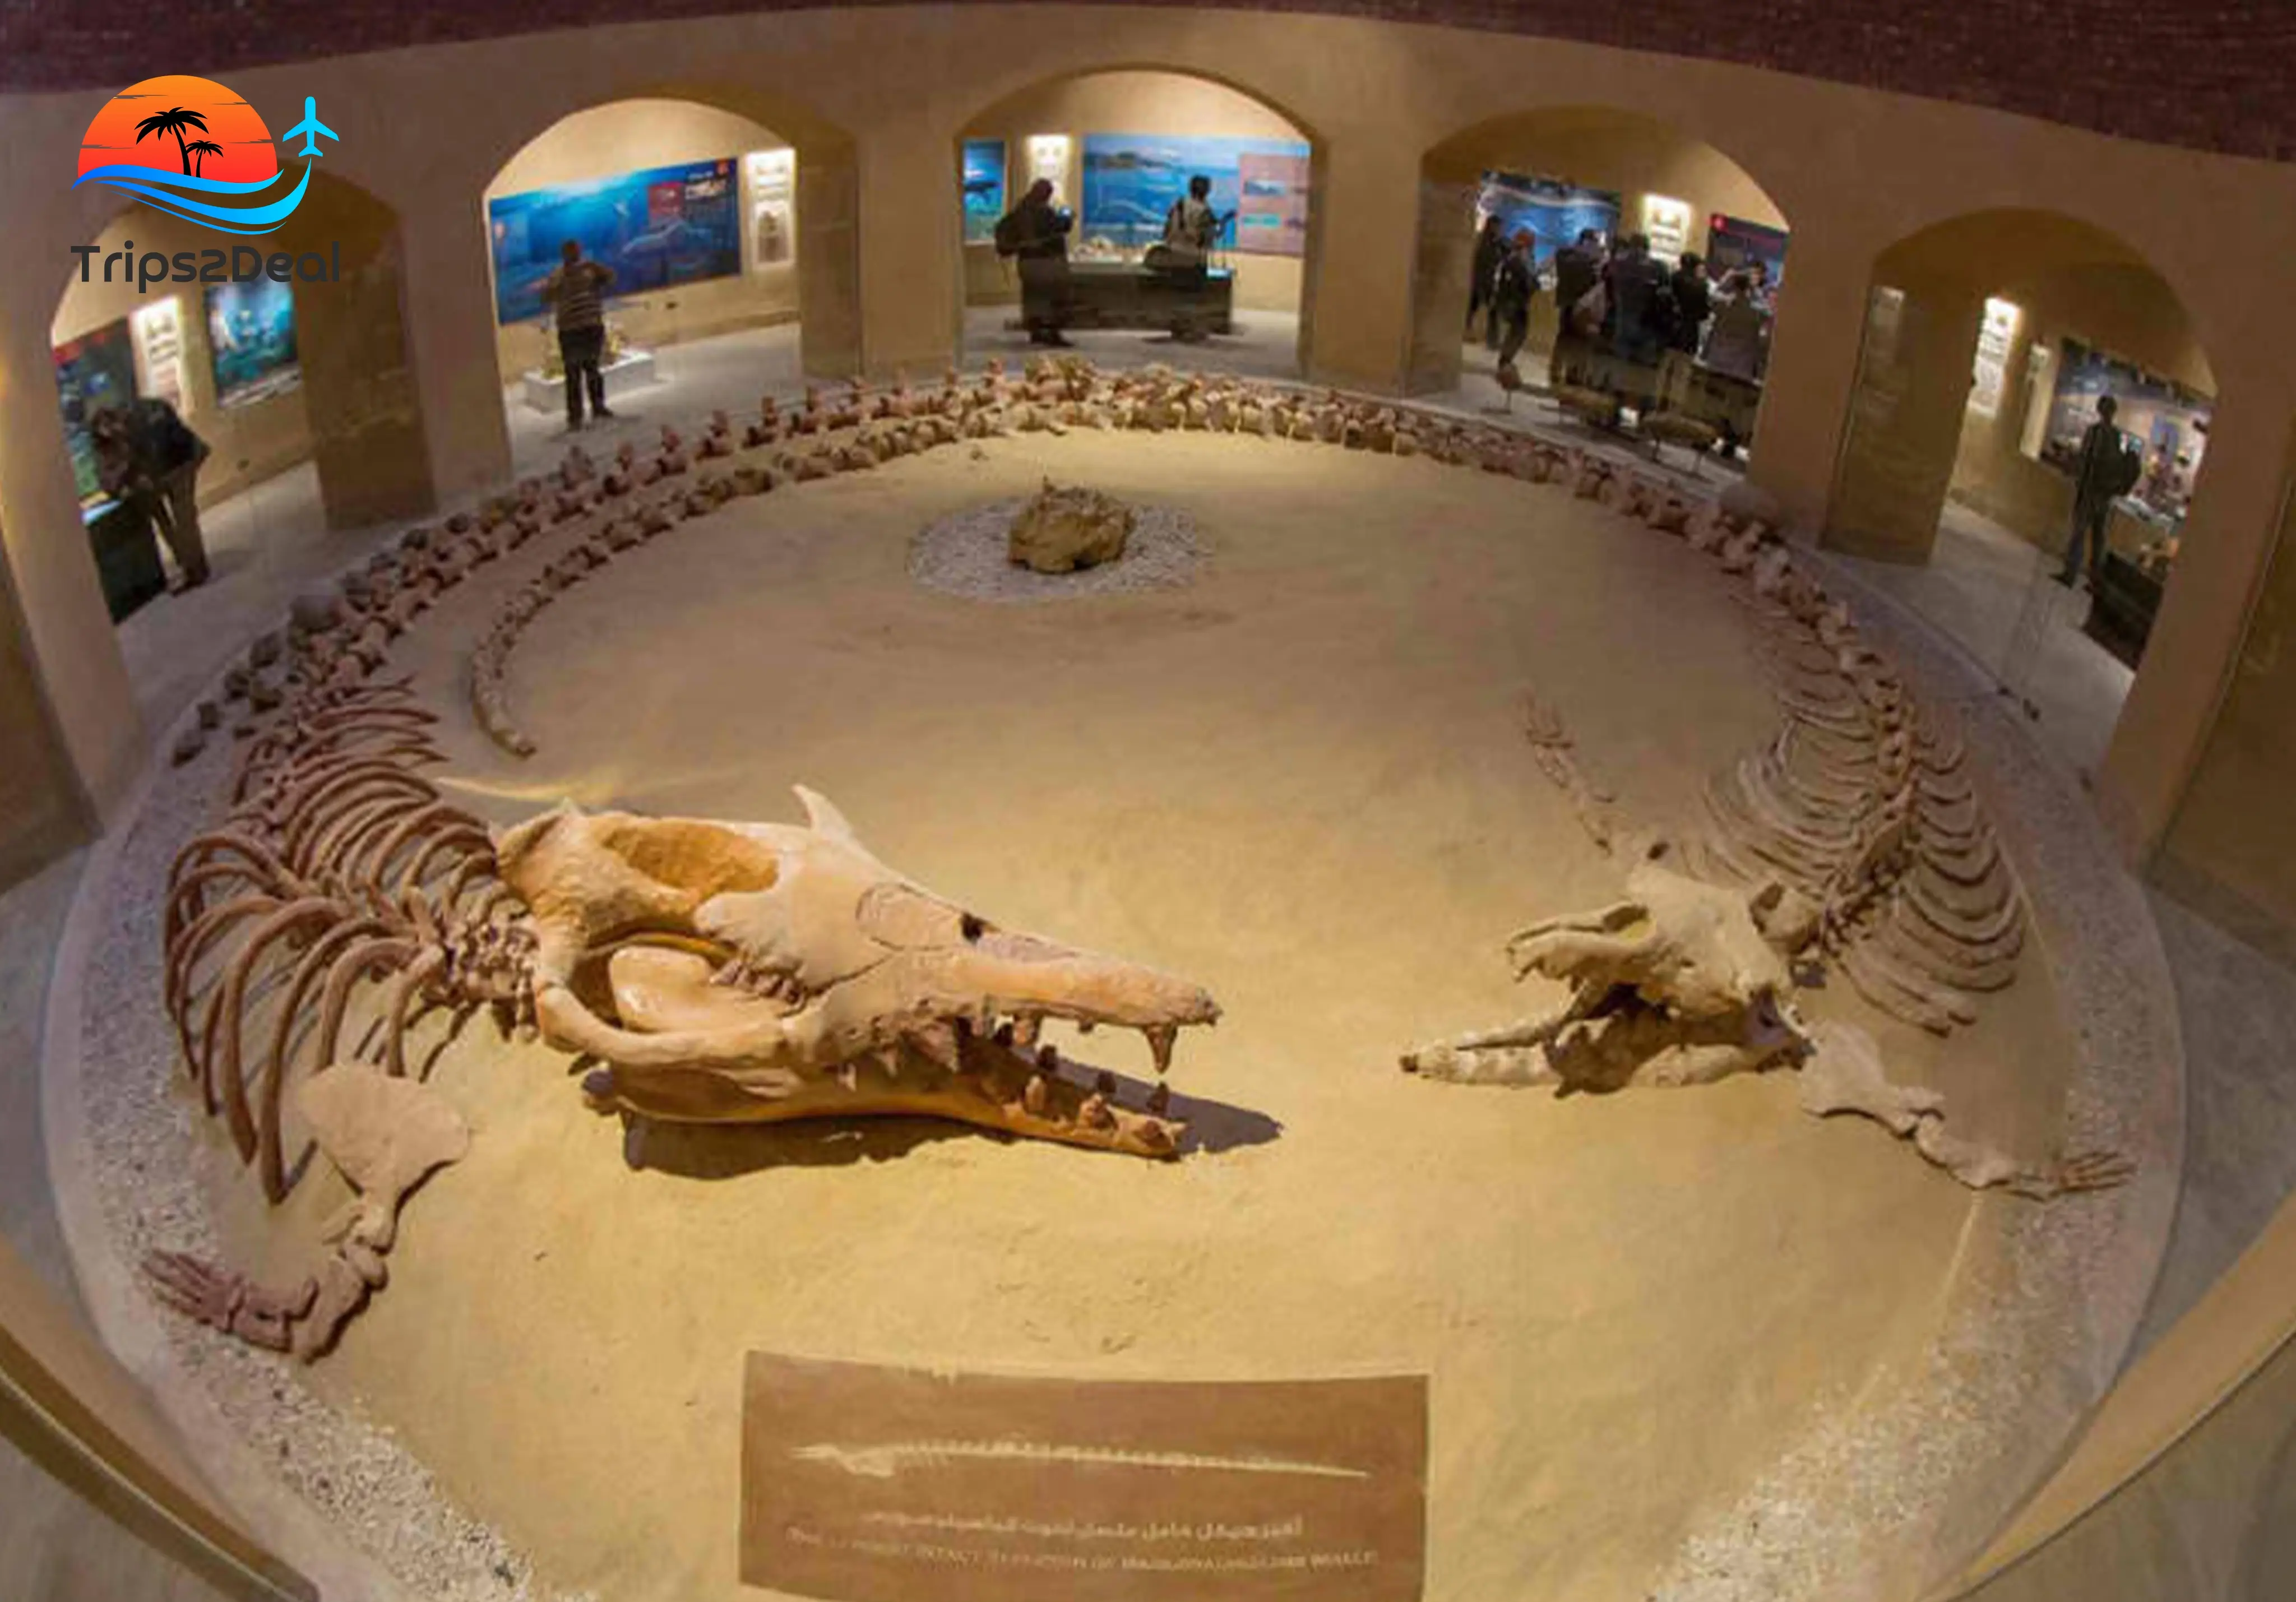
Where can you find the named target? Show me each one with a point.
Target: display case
(127, 557)
(1124, 295)
(2127, 600)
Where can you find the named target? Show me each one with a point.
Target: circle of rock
(965, 555)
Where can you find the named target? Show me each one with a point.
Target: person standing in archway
(1577, 269)
(1191, 226)
(1037, 233)
(1512, 287)
(1490, 250)
(147, 459)
(578, 290)
(2104, 469)
(1693, 303)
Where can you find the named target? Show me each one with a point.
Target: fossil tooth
(1161, 1036)
(1084, 1026)
(941, 1043)
(1160, 1100)
(1024, 1028)
(1105, 1085)
(1048, 1060)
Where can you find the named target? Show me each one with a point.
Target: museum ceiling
(2209, 76)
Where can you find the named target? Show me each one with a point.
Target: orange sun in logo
(181, 124)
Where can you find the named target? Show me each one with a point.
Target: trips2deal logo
(191, 148)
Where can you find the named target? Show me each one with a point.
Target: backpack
(1594, 307)
(166, 439)
(1008, 233)
(2128, 467)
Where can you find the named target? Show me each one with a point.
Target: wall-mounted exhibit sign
(1271, 217)
(1048, 163)
(772, 177)
(1554, 211)
(658, 228)
(1131, 180)
(251, 340)
(1666, 224)
(93, 372)
(981, 176)
(863, 1484)
(1732, 243)
(1996, 336)
(159, 349)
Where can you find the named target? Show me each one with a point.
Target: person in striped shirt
(576, 290)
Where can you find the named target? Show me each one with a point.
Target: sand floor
(1300, 780)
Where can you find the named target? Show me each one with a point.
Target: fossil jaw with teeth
(758, 972)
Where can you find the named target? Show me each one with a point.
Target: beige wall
(629, 136)
(251, 442)
(1128, 102)
(42, 813)
(2231, 850)
(2120, 309)
(1905, 421)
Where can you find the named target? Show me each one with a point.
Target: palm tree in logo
(174, 120)
(201, 150)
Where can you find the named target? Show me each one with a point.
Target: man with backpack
(1512, 287)
(2104, 470)
(148, 458)
(1578, 270)
(1037, 233)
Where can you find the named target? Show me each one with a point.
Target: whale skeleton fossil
(714, 972)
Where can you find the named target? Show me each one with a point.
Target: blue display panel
(93, 371)
(251, 337)
(983, 180)
(663, 227)
(1553, 211)
(1130, 181)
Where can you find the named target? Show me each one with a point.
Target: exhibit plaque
(862, 1483)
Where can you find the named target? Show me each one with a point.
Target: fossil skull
(739, 971)
(1681, 981)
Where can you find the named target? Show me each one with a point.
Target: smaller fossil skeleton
(1683, 981)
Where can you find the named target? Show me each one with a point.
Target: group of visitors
(1620, 301)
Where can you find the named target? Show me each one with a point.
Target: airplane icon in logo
(310, 130)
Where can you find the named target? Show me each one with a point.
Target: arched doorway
(1991, 339)
(693, 202)
(1119, 146)
(302, 389)
(1555, 173)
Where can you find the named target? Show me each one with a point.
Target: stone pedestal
(632, 370)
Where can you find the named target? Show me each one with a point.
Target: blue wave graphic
(176, 193)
